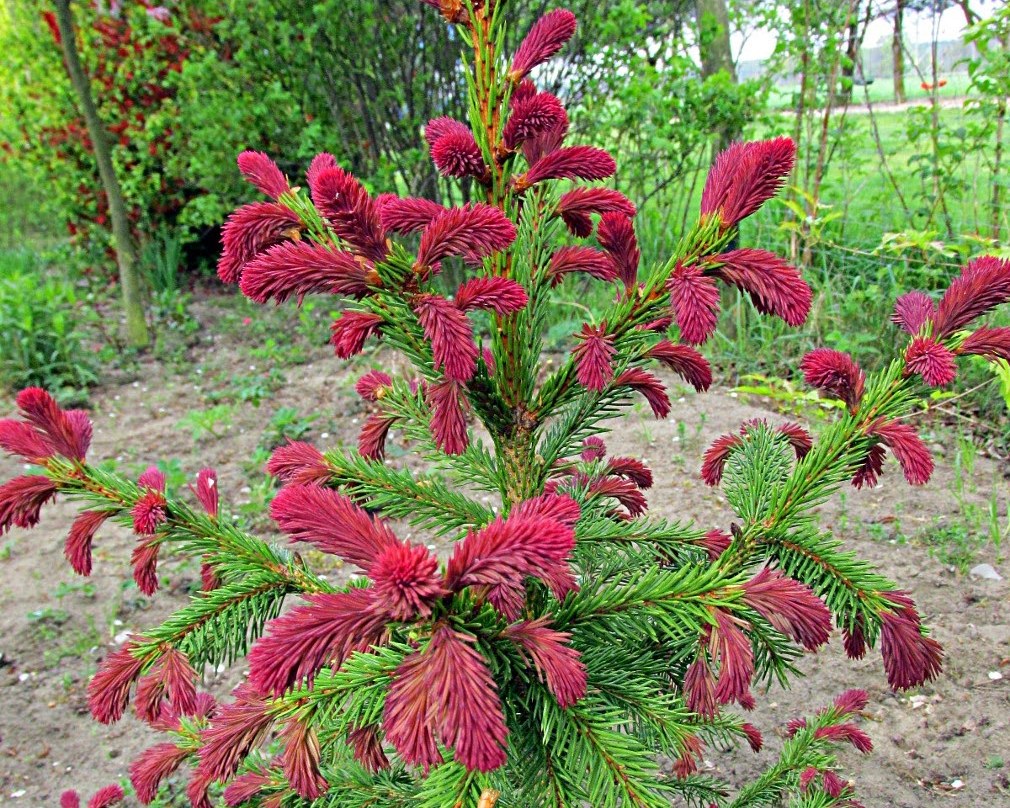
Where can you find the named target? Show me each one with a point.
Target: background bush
(39, 329)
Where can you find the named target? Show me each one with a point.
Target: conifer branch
(399, 494)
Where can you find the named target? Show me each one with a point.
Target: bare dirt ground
(943, 744)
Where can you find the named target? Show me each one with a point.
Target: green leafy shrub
(39, 329)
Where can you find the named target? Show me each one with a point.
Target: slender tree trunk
(851, 58)
(714, 47)
(801, 112)
(898, 53)
(814, 192)
(995, 208)
(126, 253)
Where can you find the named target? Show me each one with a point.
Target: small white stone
(995, 676)
(955, 784)
(985, 571)
(245, 489)
(325, 435)
(121, 637)
(117, 622)
(24, 677)
(19, 793)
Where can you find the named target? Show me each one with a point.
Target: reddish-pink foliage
(299, 268)
(109, 689)
(450, 333)
(908, 448)
(649, 386)
(695, 300)
(507, 551)
(992, 343)
(332, 522)
(931, 360)
(745, 176)
(152, 766)
(408, 215)
(616, 235)
(303, 640)
(530, 117)
(913, 310)
(65, 432)
(910, 658)
(21, 500)
(263, 172)
(774, 286)
(350, 211)
(238, 727)
(593, 356)
(836, 373)
(301, 759)
(500, 295)
(547, 36)
(684, 361)
(456, 154)
(557, 663)
(351, 329)
(576, 205)
(790, 607)
(982, 285)
(473, 231)
(448, 421)
(406, 580)
(595, 263)
(206, 491)
(298, 462)
(446, 690)
(251, 230)
(571, 163)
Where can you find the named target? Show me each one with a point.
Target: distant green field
(881, 91)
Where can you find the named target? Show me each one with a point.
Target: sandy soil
(943, 744)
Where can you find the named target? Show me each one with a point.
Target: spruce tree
(568, 640)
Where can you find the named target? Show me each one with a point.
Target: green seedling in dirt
(75, 644)
(86, 590)
(286, 425)
(6, 551)
(47, 619)
(260, 495)
(785, 394)
(700, 426)
(956, 544)
(213, 421)
(997, 532)
(274, 353)
(994, 762)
